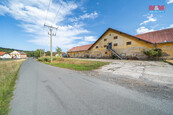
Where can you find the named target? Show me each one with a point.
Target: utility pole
(51, 34)
(40, 52)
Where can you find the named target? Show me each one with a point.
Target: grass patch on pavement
(74, 64)
(8, 76)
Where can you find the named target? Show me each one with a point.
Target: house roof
(2, 53)
(80, 48)
(22, 53)
(160, 36)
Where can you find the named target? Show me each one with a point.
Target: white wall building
(18, 54)
(4, 55)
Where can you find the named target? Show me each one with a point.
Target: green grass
(8, 76)
(94, 65)
(74, 64)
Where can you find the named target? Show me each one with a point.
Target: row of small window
(115, 37)
(128, 43)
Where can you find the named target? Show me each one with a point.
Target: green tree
(38, 53)
(48, 53)
(59, 50)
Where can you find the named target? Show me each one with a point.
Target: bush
(114, 56)
(41, 59)
(154, 53)
(47, 59)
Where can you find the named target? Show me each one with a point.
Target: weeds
(8, 76)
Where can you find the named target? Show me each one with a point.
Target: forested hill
(9, 50)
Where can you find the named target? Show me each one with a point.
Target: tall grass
(8, 76)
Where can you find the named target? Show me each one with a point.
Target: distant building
(126, 46)
(18, 54)
(4, 55)
(63, 54)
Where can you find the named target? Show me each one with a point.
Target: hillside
(9, 50)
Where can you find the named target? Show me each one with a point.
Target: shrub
(114, 56)
(41, 59)
(153, 53)
(47, 59)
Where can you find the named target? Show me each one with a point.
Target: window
(105, 46)
(97, 47)
(105, 52)
(115, 44)
(115, 37)
(129, 43)
(105, 39)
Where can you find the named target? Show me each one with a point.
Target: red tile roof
(158, 36)
(80, 48)
(2, 53)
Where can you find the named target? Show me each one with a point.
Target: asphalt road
(46, 90)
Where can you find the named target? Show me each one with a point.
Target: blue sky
(79, 22)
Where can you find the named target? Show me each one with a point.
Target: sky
(79, 22)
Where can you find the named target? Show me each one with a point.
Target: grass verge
(8, 76)
(74, 64)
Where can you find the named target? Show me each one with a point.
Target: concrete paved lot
(154, 71)
(46, 90)
(149, 70)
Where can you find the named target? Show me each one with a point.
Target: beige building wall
(119, 44)
(167, 49)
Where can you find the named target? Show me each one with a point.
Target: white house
(4, 55)
(18, 54)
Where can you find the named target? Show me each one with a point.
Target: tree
(59, 50)
(48, 53)
(38, 53)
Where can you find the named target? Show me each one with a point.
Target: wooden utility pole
(51, 34)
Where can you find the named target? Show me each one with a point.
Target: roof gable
(119, 33)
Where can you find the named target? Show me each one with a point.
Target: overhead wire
(59, 10)
(47, 12)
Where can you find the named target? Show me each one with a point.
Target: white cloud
(85, 16)
(150, 19)
(170, 1)
(32, 15)
(143, 30)
(171, 26)
(3, 10)
(90, 38)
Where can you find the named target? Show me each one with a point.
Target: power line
(47, 11)
(57, 12)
